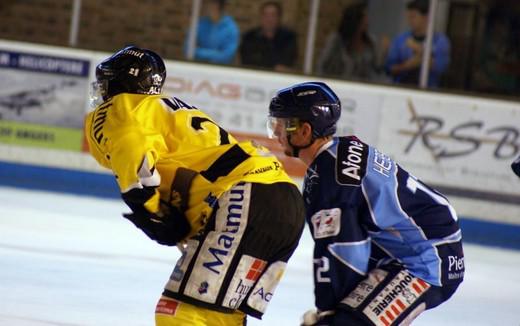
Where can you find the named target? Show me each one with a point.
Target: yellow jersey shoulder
(95, 134)
(108, 119)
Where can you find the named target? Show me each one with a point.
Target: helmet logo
(157, 79)
(135, 53)
(134, 71)
(304, 93)
(317, 108)
(154, 90)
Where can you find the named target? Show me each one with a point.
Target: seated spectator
(217, 35)
(269, 45)
(404, 58)
(350, 52)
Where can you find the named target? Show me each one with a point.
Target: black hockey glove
(167, 230)
(516, 166)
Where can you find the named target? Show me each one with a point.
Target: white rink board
(465, 142)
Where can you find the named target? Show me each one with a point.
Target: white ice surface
(70, 260)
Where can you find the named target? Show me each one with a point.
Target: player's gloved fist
(167, 230)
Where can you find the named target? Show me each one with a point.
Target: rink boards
(461, 145)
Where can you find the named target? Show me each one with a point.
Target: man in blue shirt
(404, 58)
(387, 246)
(217, 35)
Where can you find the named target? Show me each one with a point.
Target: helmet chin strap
(296, 149)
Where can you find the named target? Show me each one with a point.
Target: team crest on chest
(326, 223)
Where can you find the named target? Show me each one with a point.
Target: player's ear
(306, 131)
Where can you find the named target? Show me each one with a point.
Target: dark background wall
(161, 25)
(42, 21)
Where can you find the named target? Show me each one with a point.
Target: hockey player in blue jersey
(387, 246)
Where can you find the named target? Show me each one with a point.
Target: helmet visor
(281, 127)
(98, 91)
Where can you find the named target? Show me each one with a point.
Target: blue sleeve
(393, 56)
(214, 55)
(441, 55)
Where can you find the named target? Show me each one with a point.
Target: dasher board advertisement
(462, 145)
(238, 99)
(42, 99)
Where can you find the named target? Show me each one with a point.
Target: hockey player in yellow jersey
(229, 206)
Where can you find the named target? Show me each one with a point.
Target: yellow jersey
(161, 143)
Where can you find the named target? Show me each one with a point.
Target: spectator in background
(269, 45)
(498, 69)
(217, 35)
(404, 58)
(350, 52)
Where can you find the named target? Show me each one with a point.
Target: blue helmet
(312, 102)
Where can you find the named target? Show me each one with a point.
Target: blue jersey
(361, 203)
